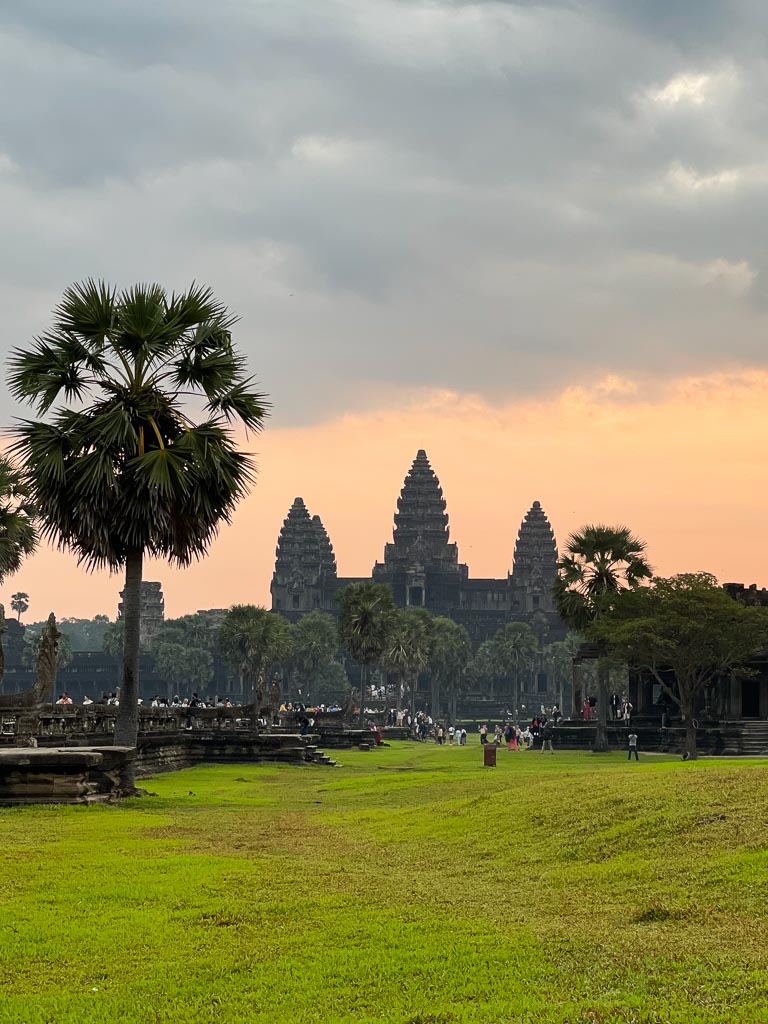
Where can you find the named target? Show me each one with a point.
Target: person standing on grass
(451, 732)
(439, 735)
(483, 733)
(546, 737)
(632, 747)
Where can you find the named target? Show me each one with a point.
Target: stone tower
(152, 614)
(421, 564)
(534, 571)
(305, 565)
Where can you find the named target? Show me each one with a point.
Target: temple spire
(534, 569)
(304, 561)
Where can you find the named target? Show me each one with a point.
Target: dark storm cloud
(497, 196)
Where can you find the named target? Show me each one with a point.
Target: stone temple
(421, 565)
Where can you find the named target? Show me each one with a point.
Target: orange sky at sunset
(681, 463)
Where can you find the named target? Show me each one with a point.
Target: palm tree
(558, 661)
(485, 665)
(599, 563)
(127, 473)
(407, 652)
(448, 659)
(366, 620)
(315, 644)
(20, 603)
(253, 640)
(18, 536)
(516, 648)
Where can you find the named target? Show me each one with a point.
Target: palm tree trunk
(127, 724)
(413, 680)
(363, 686)
(601, 732)
(435, 696)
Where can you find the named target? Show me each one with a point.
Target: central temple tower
(421, 564)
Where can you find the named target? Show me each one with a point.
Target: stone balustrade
(73, 722)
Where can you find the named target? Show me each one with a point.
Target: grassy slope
(411, 886)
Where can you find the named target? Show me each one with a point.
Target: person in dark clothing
(546, 737)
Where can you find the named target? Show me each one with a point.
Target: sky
(528, 237)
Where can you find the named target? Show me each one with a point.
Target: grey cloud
(392, 194)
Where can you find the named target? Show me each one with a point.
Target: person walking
(632, 748)
(483, 733)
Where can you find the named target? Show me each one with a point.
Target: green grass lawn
(410, 886)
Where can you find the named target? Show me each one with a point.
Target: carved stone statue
(47, 663)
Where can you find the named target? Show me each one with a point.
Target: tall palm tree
(600, 561)
(449, 655)
(20, 603)
(18, 535)
(126, 472)
(366, 621)
(253, 640)
(315, 645)
(485, 665)
(516, 648)
(407, 651)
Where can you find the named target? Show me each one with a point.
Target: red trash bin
(489, 755)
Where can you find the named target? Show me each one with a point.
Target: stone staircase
(754, 738)
(316, 756)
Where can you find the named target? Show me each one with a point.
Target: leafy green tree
(18, 534)
(366, 620)
(315, 643)
(449, 655)
(183, 652)
(406, 654)
(126, 472)
(599, 563)
(185, 668)
(331, 681)
(687, 626)
(516, 649)
(85, 634)
(254, 640)
(20, 603)
(114, 639)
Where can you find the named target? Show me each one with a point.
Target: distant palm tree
(600, 561)
(126, 472)
(449, 655)
(516, 648)
(315, 644)
(366, 622)
(254, 640)
(20, 603)
(406, 654)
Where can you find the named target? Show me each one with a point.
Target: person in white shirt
(632, 747)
